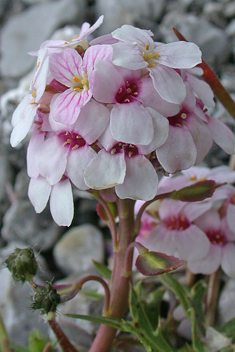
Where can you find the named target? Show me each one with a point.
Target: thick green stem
(119, 289)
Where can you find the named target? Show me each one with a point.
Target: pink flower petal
(51, 160)
(161, 240)
(66, 65)
(107, 82)
(128, 56)
(78, 160)
(209, 264)
(168, 84)
(221, 134)
(61, 203)
(179, 55)
(39, 192)
(179, 151)
(95, 53)
(141, 179)
(67, 106)
(210, 220)
(105, 170)
(127, 121)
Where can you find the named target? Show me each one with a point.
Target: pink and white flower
(222, 245)
(136, 50)
(75, 73)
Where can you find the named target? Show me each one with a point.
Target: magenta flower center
(127, 93)
(129, 149)
(179, 119)
(216, 237)
(177, 223)
(71, 140)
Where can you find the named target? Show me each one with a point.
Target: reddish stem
(119, 283)
(61, 337)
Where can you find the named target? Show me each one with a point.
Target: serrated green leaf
(137, 311)
(103, 270)
(228, 328)
(152, 306)
(180, 290)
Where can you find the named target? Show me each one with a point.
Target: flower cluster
(201, 233)
(109, 113)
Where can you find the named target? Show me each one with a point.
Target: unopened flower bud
(22, 264)
(46, 299)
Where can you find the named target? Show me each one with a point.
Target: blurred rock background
(66, 253)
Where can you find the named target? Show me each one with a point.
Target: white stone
(119, 12)
(26, 31)
(75, 250)
(226, 304)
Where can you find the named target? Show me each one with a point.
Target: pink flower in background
(222, 245)
(137, 50)
(68, 68)
(176, 234)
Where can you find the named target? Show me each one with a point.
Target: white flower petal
(209, 264)
(61, 203)
(39, 192)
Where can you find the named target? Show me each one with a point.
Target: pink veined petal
(179, 55)
(149, 97)
(128, 56)
(68, 104)
(61, 203)
(24, 124)
(210, 220)
(87, 29)
(51, 160)
(95, 53)
(201, 136)
(179, 151)
(209, 264)
(66, 65)
(162, 240)
(133, 35)
(221, 134)
(160, 128)
(78, 160)
(127, 121)
(105, 170)
(141, 179)
(39, 192)
(192, 244)
(228, 259)
(92, 121)
(168, 83)
(34, 144)
(107, 82)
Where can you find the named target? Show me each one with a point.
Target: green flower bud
(46, 299)
(22, 264)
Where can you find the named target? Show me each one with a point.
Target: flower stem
(212, 297)
(4, 340)
(119, 289)
(61, 337)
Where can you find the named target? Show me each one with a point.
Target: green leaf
(103, 270)
(196, 192)
(228, 328)
(198, 346)
(17, 348)
(186, 348)
(155, 263)
(152, 306)
(113, 322)
(198, 292)
(36, 341)
(228, 349)
(137, 311)
(180, 290)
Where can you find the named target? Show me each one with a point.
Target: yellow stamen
(67, 142)
(178, 125)
(34, 94)
(77, 89)
(84, 81)
(113, 151)
(144, 55)
(120, 90)
(151, 65)
(71, 40)
(182, 218)
(130, 154)
(76, 79)
(127, 101)
(75, 147)
(156, 55)
(38, 64)
(147, 47)
(193, 178)
(183, 115)
(129, 90)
